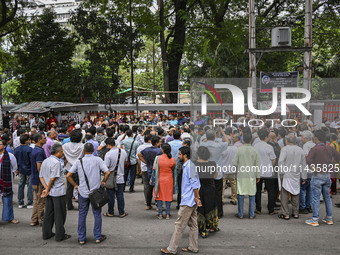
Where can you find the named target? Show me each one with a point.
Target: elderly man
(292, 163)
(51, 136)
(216, 149)
(305, 189)
(53, 179)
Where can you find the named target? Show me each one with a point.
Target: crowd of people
(61, 163)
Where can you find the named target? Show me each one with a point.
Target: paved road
(142, 233)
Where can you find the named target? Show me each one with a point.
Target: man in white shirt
(53, 179)
(114, 160)
(334, 124)
(267, 161)
(292, 164)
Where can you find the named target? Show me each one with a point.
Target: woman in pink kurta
(166, 164)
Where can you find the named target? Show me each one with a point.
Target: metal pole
(252, 45)
(131, 54)
(1, 121)
(307, 70)
(154, 71)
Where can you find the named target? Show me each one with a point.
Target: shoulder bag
(127, 164)
(98, 197)
(111, 183)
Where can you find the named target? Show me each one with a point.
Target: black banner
(278, 80)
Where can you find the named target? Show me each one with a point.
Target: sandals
(107, 214)
(214, 230)
(159, 216)
(165, 251)
(14, 221)
(188, 250)
(295, 216)
(66, 236)
(32, 224)
(204, 235)
(281, 216)
(167, 217)
(123, 215)
(81, 242)
(102, 239)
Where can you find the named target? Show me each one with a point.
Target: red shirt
(322, 154)
(49, 122)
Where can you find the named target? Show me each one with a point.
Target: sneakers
(30, 207)
(312, 222)
(327, 221)
(21, 206)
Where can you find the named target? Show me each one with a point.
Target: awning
(37, 107)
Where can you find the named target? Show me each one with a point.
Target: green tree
(108, 36)
(43, 66)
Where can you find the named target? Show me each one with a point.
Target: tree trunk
(177, 48)
(164, 50)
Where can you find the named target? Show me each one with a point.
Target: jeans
(120, 199)
(132, 170)
(321, 184)
(84, 204)
(23, 179)
(305, 195)
(240, 199)
(7, 208)
(160, 207)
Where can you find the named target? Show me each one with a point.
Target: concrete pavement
(142, 233)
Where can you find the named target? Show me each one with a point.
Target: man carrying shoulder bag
(88, 169)
(115, 159)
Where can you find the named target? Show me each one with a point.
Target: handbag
(127, 164)
(98, 197)
(111, 183)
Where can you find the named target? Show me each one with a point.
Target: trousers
(187, 216)
(55, 213)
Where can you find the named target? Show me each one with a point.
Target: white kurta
(292, 163)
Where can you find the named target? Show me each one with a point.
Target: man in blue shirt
(187, 214)
(147, 156)
(173, 121)
(90, 133)
(37, 157)
(199, 121)
(23, 156)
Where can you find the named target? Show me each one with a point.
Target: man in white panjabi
(292, 165)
